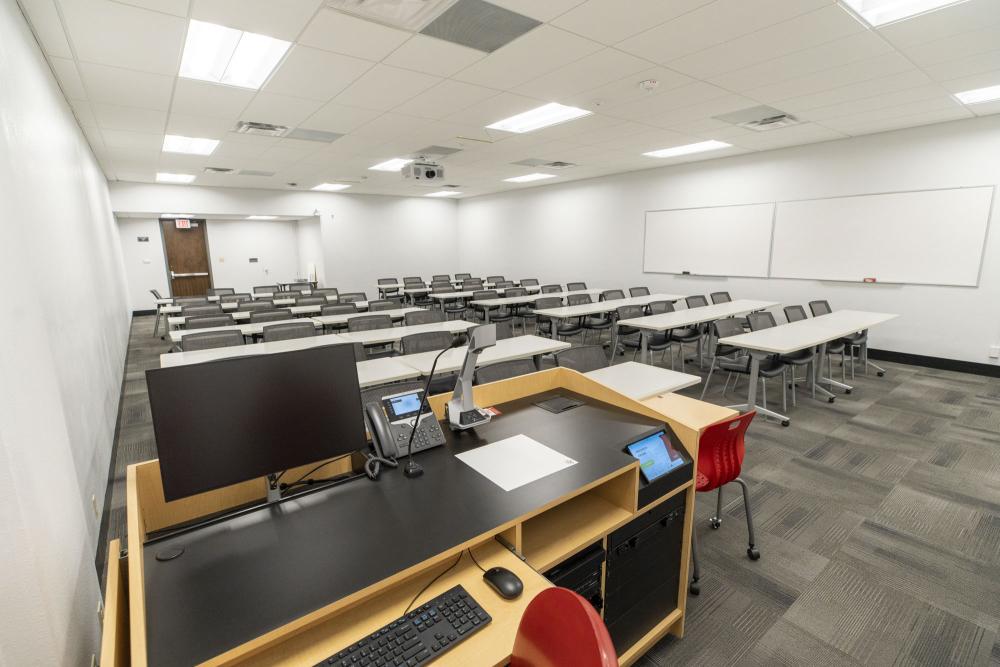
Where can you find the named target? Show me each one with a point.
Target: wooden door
(187, 258)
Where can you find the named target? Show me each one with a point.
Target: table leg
(821, 359)
(156, 324)
(644, 346)
(538, 361)
(554, 324)
(486, 314)
(751, 404)
(864, 355)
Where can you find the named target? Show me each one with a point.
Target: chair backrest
(504, 284)
(273, 289)
(485, 294)
(351, 297)
(472, 284)
(582, 358)
(638, 291)
(720, 297)
(382, 304)
(442, 288)
(462, 276)
(515, 291)
(289, 330)
(612, 295)
(219, 291)
(549, 289)
(696, 301)
(369, 323)
(628, 312)
(720, 451)
(423, 317)
(578, 299)
(155, 293)
(208, 340)
(311, 301)
(795, 313)
(426, 341)
(270, 315)
(413, 280)
(206, 321)
(256, 306)
(821, 307)
(560, 628)
(505, 330)
(206, 309)
(338, 309)
(437, 284)
(575, 286)
(761, 320)
(494, 279)
(660, 307)
(288, 298)
(360, 353)
(388, 281)
(299, 286)
(529, 282)
(504, 370)
(441, 277)
(729, 326)
(547, 302)
(235, 298)
(325, 292)
(190, 300)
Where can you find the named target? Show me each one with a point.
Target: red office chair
(720, 459)
(561, 629)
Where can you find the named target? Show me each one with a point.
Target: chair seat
(800, 358)
(701, 482)
(685, 335)
(769, 367)
(856, 339)
(597, 323)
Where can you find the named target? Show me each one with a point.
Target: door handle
(187, 275)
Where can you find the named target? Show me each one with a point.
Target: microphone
(413, 469)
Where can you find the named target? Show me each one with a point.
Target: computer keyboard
(419, 636)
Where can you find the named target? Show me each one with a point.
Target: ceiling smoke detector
(262, 129)
(649, 85)
(759, 119)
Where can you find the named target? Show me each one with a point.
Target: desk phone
(391, 417)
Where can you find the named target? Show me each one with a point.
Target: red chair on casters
(561, 629)
(720, 460)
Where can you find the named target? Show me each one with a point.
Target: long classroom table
(599, 307)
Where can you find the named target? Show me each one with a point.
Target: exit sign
(182, 223)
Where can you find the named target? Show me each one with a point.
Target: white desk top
(531, 298)
(180, 320)
(642, 381)
(249, 329)
(603, 306)
(174, 310)
(519, 347)
(395, 313)
(803, 334)
(395, 334)
(199, 356)
(690, 316)
(382, 371)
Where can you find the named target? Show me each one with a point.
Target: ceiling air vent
(263, 129)
(254, 172)
(434, 152)
(479, 25)
(313, 135)
(759, 119)
(219, 170)
(406, 14)
(536, 162)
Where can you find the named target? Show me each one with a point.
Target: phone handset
(385, 448)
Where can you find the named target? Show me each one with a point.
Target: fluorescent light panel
(395, 164)
(224, 55)
(543, 116)
(443, 193)
(262, 217)
(176, 215)
(166, 177)
(527, 178)
(173, 143)
(331, 187)
(978, 95)
(880, 12)
(687, 149)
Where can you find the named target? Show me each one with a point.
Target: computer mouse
(504, 582)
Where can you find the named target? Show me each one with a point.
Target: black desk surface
(250, 574)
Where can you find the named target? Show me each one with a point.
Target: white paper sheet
(515, 461)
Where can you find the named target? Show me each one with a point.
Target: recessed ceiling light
(543, 116)
(224, 55)
(443, 193)
(262, 217)
(527, 178)
(331, 187)
(173, 143)
(165, 177)
(687, 149)
(880, 12)
(176, 215)
(990, 94)
(395, 164)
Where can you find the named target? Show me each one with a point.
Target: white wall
(64, 334)
(232, 243)
(311, 260)
(593, 230)
(145, 263)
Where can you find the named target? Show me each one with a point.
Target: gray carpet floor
(877, 517)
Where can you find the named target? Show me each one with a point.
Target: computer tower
(581, 573)
(643, 572)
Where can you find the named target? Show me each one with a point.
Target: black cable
(474, 560)
(431, 582)
(321, 465)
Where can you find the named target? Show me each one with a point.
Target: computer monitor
(223, 422)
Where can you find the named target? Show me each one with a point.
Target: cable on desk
(299, 480)
(473, 556)
(431, 582)
(374, 463)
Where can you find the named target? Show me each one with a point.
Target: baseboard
(989, 370)
(143, 312)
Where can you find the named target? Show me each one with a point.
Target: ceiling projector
(426, 173)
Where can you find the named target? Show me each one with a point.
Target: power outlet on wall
(994, 351)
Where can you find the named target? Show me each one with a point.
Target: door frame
(166, 258)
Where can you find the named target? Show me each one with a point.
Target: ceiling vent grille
(479, 25)
(759, 119)
(254, 172)
(262, 129)
(406, 14)
(434, 151)
(536, 162)
(219, 170)
(303, 134)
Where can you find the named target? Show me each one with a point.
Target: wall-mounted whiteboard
(716, 241)
(933, 237)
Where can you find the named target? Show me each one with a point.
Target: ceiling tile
(603, 67)
(69, 78)
(972, 82)
(200, 98)
(868, 117)
(886, 99)
(857, 91)
(445, 98)
(129, 119)
(175, 7)
(385, 87)
(914, 120)
(493, 109)
(787, 136)
(540, 11)
(339, 118)
(985, 109)
(872, 68)
(953, 47)
(608, 22)
(963, 17)
(627, 89)
(981, 63)
(433, 56)
(136, 140)
(661, 103)
(279, 109)
(188, 125)
(284, 20)
(127, 88)
(537, 52)
(47, 26)
(334, 31)
(114, 34)
(84, 113)
(315, 74)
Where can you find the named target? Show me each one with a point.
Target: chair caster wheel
(831, 399)
(848, 391)
(785, 423)
(753, 553)
(715, 523)
(881, 374)
(694, 588)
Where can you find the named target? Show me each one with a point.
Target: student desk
(176, 310)
(341, 320)
(396, 334)
(642, 381)
(248, 329)
(518, 347)
(599, 307)
(528, 298)
(689, 317)
(288, 585)
(794, 336)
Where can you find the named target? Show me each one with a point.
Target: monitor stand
(273, 489)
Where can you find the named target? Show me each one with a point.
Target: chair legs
(753, 553)
(708, 379)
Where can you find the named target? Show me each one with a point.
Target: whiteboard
(933, 237)
(716, 241)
